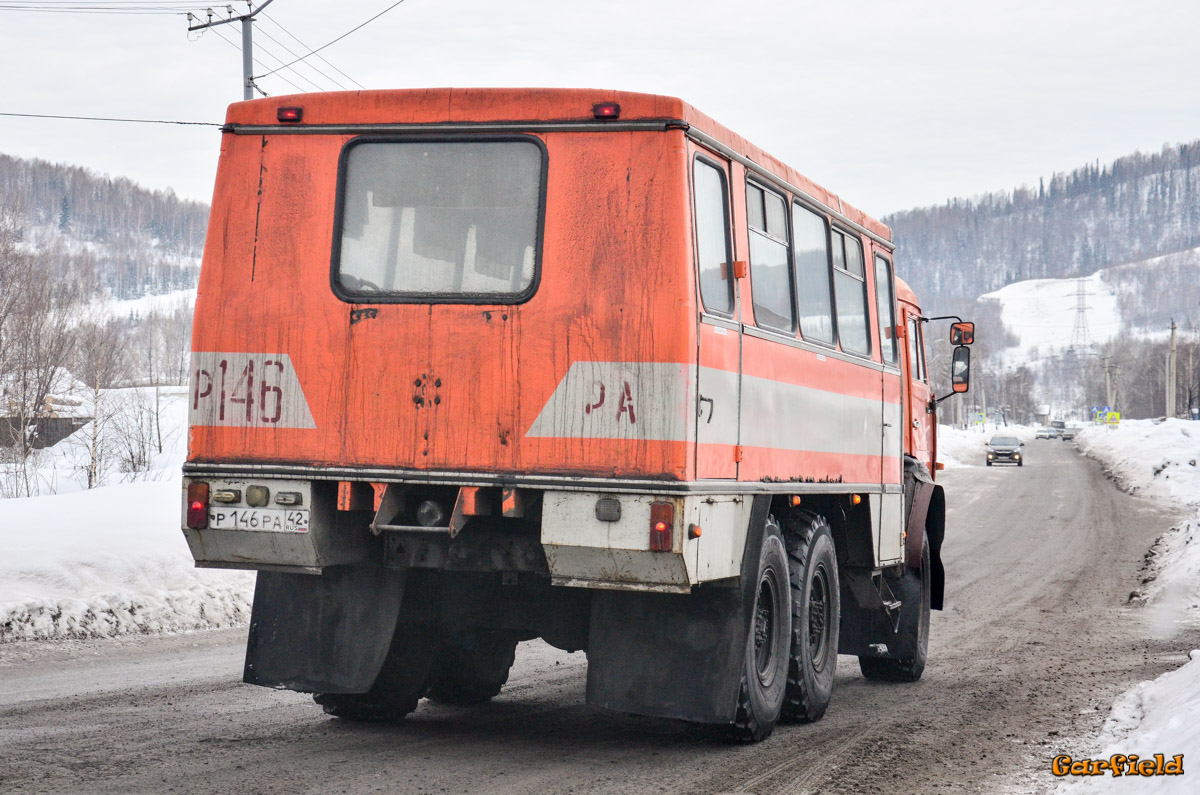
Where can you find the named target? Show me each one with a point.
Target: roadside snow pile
(966, 448)
(1160, 460)
(1154, 717)
(110, 561)
(1156, 459)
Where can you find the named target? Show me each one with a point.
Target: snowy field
(1162, 461)
(93, 563)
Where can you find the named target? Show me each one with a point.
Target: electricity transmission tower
(1081, 338)
(247, 21)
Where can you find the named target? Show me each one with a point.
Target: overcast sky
(890, 104)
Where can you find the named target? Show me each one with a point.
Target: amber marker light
(795, 500)
(855, 499)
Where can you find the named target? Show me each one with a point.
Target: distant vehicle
(1066, 433)
(1046, 433)
(1004, 449)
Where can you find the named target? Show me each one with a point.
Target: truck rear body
(586, 341)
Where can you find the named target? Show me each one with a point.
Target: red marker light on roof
(292, 115)
(606, 110)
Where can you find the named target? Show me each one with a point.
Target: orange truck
(472, 367)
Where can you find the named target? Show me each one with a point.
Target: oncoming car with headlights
(1005, 449)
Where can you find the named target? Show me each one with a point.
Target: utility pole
(1171, 374)
(247, 21)
(1108, 382)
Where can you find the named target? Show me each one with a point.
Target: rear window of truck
(444, 221)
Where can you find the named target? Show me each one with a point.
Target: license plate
(268, 519)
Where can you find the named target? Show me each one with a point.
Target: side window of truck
(850, 293)
(770, 268)
(811, 254)
(916, 350)
(439, 221)
(712, 237)
(887, 309)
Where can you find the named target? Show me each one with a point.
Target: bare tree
(101, 362)
(38, 333)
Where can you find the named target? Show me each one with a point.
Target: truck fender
(926, 517)
(676, 656)
(322, 634)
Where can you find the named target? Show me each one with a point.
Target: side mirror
(962, 333)
(960, 368)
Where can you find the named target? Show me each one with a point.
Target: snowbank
(1160, 460)
(1157, 717)
(106, 562)
(111, 560)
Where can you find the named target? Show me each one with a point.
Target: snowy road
(1035, 643)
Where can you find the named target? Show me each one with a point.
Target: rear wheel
(472, 669)
(913, 589)
(399, 685)
(816, 616)
(765, 669)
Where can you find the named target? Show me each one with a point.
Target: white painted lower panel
(585, 551)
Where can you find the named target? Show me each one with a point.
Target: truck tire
(399, 685)
(471, 669)
(764, 673)
(816, 616)
(913, 590)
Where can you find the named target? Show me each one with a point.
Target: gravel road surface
(1036, 641)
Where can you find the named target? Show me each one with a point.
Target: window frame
(505, 299)
(784, 199)
(832, 342)
(891, 287)
(726, 206)
(866, 299)
(916, 351)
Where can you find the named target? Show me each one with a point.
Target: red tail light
(662, 524)
(290, 114)
(197, 506)
(606, 110)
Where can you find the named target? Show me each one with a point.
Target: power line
(107, 8)
(260, 63)
(297, 73)
(291, 52)
(302, 44)
(339, 38)
(107, 118)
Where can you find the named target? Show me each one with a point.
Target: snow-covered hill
(1136, 299)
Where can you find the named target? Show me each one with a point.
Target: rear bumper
(574, 538)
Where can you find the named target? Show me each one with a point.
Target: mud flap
(322, 634)
(675, 656)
